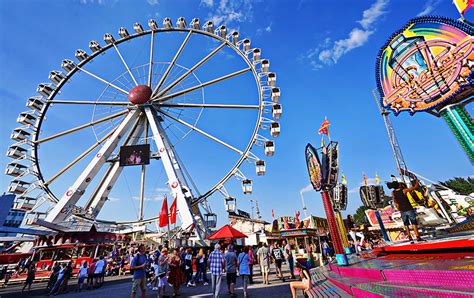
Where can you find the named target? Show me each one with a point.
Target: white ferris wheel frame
(64, 207)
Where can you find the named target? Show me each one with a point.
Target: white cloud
(369, 16)
(229, 12)
(429, 7)
(328, 53)
(208, 3)
(100, 2)
(152, 198)
(113, 199)
(357, 38)
(266, 29)
(153, 2)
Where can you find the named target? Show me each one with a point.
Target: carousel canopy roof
(226, 232)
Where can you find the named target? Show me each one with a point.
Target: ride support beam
(176, 180)
(67, 202)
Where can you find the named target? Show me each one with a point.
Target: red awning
(226, 232)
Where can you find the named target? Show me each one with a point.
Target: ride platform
(439, 268)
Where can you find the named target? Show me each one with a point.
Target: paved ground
(121, 286)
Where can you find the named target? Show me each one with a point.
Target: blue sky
(322, 51)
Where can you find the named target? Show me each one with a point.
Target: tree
(460, 185)
(359, 216)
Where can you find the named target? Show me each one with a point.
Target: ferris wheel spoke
(79, 158)
(66, 132)
(103, 81)
(89, 102)
(217, 80)
(201, 132)
(207, 105)
(152, 44)
(182, 77)
(125, 64)
(175, 58)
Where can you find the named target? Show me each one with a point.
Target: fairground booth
(304, 236)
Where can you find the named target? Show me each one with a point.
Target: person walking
(188, 268)
(90, 275)
(244, 269)
(201, 268)
(217, 266)
(252, 261)
(231, 269)
(82, 275)
(59, 280)
(30, 276)
(288, 254)
(67, 275)
(53, 276)
(277, 256)
(304, 284)
(138, 265)
(99, 270)
(163, 267)
(264, 261)
(176, 276)
(402, 203)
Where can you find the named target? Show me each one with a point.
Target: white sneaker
(155, 289)
(205, 283)
(148, 285)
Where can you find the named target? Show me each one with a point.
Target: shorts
(162, 281)
(278, 263)
(80, 280)
(231, 277)
(264, 268)
(97, 275)
(409, 216)
(138, 283)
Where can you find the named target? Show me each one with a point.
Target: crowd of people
(161, 269)
(174, 268)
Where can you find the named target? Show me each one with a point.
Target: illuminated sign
(428, 62)
(314, 167)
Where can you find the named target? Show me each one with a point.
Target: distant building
(9, 217)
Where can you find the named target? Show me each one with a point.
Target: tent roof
(226, 232)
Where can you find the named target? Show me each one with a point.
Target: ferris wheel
(146, 90)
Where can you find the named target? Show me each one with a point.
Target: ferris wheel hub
(140, 94)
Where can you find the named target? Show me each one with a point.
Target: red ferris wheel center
(140, 94)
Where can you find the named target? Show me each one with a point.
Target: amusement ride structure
(137, 96)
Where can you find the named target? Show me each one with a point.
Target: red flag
(324, 129)
(365, 180)
(273, 213)
(173, 211)
(164, 214)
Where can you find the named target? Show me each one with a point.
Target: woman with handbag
(244, 268)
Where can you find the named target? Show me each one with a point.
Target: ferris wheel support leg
(66, 204)
(100, 195)
(189, 216)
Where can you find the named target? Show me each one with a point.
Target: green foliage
(359, 216)
(460, 185)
